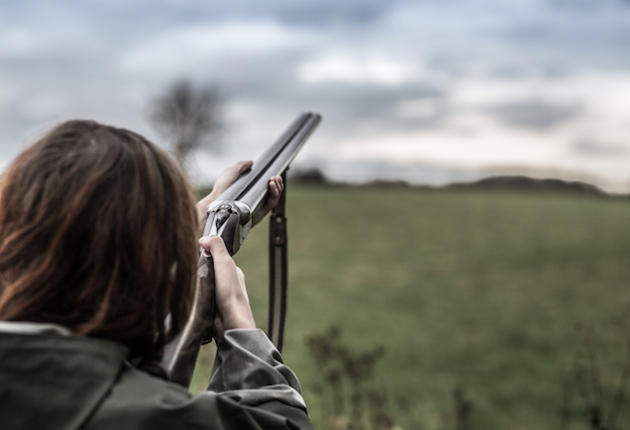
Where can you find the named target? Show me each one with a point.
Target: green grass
(494, 292)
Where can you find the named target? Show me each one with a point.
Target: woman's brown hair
(97, 233)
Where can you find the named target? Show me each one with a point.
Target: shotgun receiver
(231, 216)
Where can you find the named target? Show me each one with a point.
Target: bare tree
(188, 115)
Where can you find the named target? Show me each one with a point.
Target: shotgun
(231, 216)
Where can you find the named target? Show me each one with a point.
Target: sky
(430, 92)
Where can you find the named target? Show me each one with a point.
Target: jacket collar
(26, 327)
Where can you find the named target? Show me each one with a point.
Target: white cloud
(16, 41)
(417, 109)
(355, 71)
(188, 48)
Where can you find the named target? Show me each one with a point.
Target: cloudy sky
(429, 91)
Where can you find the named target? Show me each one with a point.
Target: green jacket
(54, 381)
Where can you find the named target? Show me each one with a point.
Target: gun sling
(278, 271)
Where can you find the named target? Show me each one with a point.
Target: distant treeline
(315, 176)
(524, 183)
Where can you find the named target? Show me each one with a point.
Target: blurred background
(415, 303)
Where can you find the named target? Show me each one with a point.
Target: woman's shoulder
(73, 380)
(52, 380)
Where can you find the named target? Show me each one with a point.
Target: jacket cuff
(250, 369)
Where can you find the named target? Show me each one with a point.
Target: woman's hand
(227, 177)
(230, 174)
(276, 186)
(232, 302)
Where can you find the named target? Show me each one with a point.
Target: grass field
(493, 292)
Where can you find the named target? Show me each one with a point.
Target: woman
(98, 244)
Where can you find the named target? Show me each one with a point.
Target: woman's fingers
(276, 186)
(215, 246)
(224, 267)
(244, 166)
(279, 182)
(231, 174)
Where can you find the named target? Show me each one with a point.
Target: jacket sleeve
(250, 388)
(249, 370)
